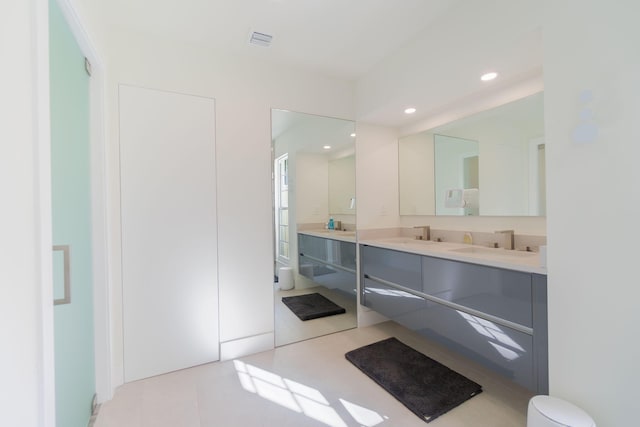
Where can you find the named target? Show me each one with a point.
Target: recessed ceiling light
(327, 147)
(488, 76)
(353, 135)
(410, 110)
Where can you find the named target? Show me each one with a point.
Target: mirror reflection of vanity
(314, 180)
(490, 163)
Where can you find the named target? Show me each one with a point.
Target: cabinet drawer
(328, 276)
(331, 251)
(397, 267)
(504, 350)
(400, 306)
(343, 254)
(312, 246)
(502, 293)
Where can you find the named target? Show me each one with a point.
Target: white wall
(594, 206)
(416, 177)
(342, 184)
(311, 187)
(376, 176)
(504, 172)
(244, 100)
(26, 311)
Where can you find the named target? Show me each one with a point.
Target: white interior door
(169, 239)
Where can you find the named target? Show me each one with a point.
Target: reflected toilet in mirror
(314, 225)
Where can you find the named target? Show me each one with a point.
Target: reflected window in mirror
(281, 169)
(509, 164)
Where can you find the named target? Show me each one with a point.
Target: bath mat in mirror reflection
(312, 306)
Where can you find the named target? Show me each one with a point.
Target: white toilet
(547, 411)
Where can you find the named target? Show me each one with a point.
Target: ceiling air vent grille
(260, 39)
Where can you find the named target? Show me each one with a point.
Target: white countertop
(345, 236)
(528, 262)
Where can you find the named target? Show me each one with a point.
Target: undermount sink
(498, 252)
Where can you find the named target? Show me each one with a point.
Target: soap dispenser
(331, 224)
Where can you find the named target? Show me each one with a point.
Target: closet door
(169, 241)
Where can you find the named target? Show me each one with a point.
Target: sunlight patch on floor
(300, 398)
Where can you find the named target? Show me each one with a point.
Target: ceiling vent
(260, 39)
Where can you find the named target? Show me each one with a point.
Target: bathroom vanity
(328, 258)
(490, 305)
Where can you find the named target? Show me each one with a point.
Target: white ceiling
(424, 53)
(341, 38)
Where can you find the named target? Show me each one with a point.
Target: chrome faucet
(426, 232)
(509, 240)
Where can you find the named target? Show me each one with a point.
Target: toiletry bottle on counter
(331, 224)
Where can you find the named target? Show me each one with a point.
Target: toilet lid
(562, 412)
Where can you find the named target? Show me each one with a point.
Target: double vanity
(488, 304)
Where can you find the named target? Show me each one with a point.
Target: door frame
(100, 242)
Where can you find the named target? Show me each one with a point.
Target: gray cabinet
(502, 349)
(502, 293)
(495, 316)
(404, 307)
(328, 262)
(401, 268)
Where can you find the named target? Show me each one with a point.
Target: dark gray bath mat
(426, 387)
(312, 306)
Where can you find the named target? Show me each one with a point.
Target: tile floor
(309, 383)
(290, 329)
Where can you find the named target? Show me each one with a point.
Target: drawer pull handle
(453, 305)
(330, 264)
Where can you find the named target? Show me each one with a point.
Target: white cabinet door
(169, 241)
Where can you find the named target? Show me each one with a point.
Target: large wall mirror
(491, 163)
(313, 182)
